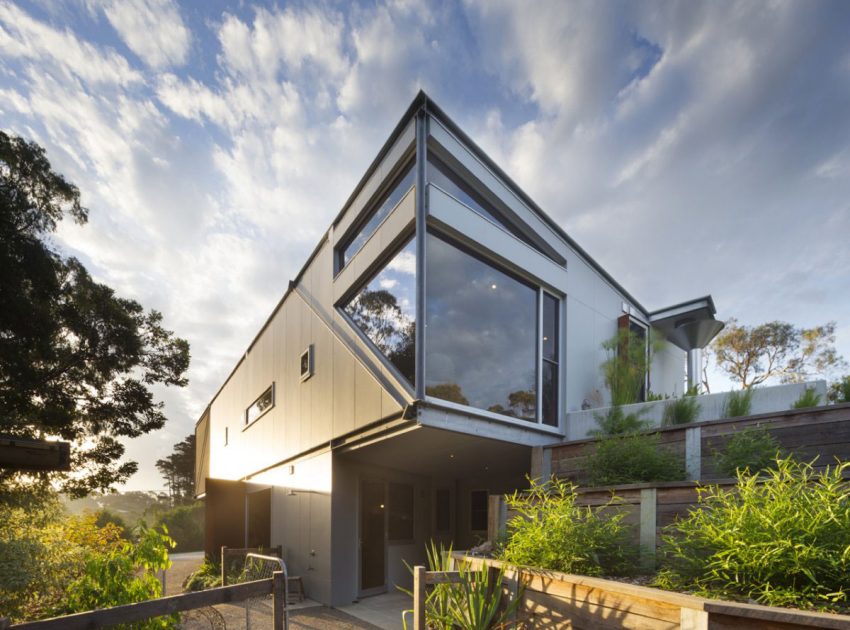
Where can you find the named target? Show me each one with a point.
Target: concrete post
(693, 453)
(648, 511)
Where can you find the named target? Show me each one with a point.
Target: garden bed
(551, 599)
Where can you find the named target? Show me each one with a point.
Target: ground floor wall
(316, 512)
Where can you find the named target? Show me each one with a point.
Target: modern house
(443, 327)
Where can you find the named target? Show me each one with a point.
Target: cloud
(690, 147)
(152, 29)
(22, 37)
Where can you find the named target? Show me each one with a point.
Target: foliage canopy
(77, 361)
(750, 355)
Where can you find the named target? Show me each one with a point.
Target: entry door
(372, 537)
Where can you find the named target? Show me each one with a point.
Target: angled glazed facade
(442, 328)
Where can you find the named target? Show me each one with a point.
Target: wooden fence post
(419, 598)
(223, 565)
(278, 600)
(693, 453)
(648, 533)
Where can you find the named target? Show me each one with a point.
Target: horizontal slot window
(260, 406)
(440, 175)
(381, 211)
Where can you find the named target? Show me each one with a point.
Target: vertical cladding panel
(604, 328)
(304, 390)
(581, 353)
(292, 397)
(278, 370)
(343, 392)
(389, 405)
(322, 267)
(322, 383)
(367, 397)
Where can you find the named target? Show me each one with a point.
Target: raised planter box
(559, 600)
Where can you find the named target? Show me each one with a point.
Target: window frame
(540, 289)
(405, 238)
(246, 422)
(406, 165)
(310, 365)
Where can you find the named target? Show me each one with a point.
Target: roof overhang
(689, 325)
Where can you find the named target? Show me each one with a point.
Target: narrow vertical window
(551, 360)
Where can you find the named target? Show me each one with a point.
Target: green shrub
(185, 524)
(633, 459)
(682, 410)
(53, 564)
(42, 551)
(753, 449)
(208, 575)
(738, 404)
(616, 422)
(475, 603)
(125, 573)
(781, 540)
(839, 391)
(809, 398)
(552, 532)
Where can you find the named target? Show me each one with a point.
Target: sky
(689, 147)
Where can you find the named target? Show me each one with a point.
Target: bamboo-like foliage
(781, 539)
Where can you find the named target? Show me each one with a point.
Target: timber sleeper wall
(551, 599)
(822, 432)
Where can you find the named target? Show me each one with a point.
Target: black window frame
(251, 421)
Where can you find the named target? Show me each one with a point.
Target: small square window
(307, 363)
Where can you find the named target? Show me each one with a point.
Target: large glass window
(381, 211)
(481, 334)
(385, 310)
(443, 177)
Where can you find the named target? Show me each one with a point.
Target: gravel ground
(233, 617)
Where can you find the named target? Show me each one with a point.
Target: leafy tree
(178, 470)
(750, 355)
(77, 362)
(839, 391)
(447, 391)
(379, 316)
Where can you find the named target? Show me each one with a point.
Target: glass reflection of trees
(385, 311)
(481, 340)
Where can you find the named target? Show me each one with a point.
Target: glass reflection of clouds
(385, 310)
(481, 333)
